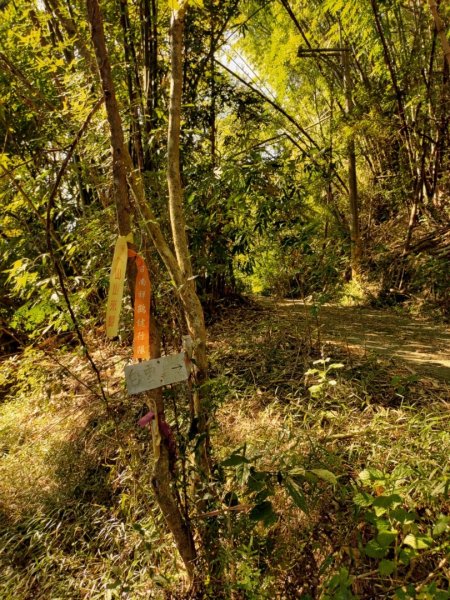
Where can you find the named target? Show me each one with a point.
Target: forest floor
(422, 345)
(343, 416)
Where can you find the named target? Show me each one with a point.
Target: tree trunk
(440, 28)
(161, 477)
(135, 145)
(355, 234)
(191, 302)
(121, 197)
(149, 35)
(177, 219)
(398, 93)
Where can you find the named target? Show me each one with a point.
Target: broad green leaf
(381, 525)
(386, 538)
(406, 555)
(371, 475)
(296, 494)
(234, 460)
(255, 483)
(382, 504)
(316, 390)
(418, 542)
(441, 525)
(386, 567)
(374, 550)
(363, 499)
(403, 516)
(364, 475)
(390, 501)
(325, 475)
(263, 512)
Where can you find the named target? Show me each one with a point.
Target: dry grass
(77, 516)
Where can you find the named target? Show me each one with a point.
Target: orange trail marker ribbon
(142, 293)
(116, 284)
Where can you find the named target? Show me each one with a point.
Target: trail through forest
(421, 345)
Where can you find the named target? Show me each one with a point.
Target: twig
(342, 436)
(73, 375)
(430, 576)
(216, 513)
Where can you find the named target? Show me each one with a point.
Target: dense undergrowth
(332, 473)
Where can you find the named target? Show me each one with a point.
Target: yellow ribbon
(116, 285)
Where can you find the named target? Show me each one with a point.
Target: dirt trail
(421, 345)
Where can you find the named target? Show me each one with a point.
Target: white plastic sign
(151, 374)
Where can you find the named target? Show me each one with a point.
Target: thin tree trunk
(177, 220)
(122, 200)
(149, 35)
(440, 27)
(398, 93)
(136, 147)
(355, 233)
(212, 110)
(193, 309)
(161, 477)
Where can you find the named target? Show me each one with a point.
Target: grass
(341, 495)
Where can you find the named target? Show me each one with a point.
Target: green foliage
(258, 485)
(339, 586)
(400, 534)
(322, 374)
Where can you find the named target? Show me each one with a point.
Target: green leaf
(374, 550)
(406, 555)
(297, 496)
(441, 525)
(255, 483)
(262, 495)
(403, 516)
(386, 567)
(418, 542)
(388, 501)
(312, 372)
(263, 512)
(316, 390)
(371, 475)
(321, 361)
(363, 499)
(234, 460)
(381, 525)
(325, 475)
(400, 594)
(386, 538)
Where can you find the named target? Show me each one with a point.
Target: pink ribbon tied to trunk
(165, 430)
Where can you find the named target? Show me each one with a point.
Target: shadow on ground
(423, 346)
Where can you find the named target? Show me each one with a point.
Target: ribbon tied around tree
(142, 297)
